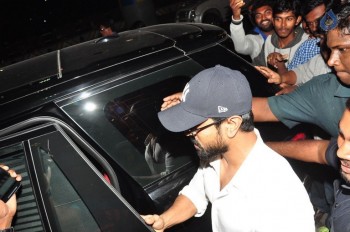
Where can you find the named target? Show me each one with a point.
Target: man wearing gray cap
(250, 187)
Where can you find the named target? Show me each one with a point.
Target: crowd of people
(304, 48)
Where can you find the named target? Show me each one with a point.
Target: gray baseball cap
(212, 93)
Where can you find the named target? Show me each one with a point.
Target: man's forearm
(289, 77)
(304, 150)
(180, 211)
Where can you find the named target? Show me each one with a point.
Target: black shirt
(339, 219)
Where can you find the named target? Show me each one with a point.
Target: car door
(61, 189)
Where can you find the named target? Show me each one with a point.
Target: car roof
(69, 63)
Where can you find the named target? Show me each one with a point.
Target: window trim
(70, 131)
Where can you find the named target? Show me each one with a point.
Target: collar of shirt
(239, 180)
(260, 32)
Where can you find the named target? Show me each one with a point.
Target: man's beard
(266, 29)
(211, 153)
(345, 177)
(343, 174)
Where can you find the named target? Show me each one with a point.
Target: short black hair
(260, 3)
(343, 17)
(309, 5)
(247, 122)
(281, 6)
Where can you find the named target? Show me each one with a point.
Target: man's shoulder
(323, 85)
(329, 78)
(309, 43)
(253, 34)
(317, 85)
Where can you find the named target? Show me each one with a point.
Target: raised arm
(289, 77)
(236, 7)
(304, 150)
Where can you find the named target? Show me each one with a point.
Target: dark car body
(80, 124)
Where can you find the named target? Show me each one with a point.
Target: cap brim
(176, 119)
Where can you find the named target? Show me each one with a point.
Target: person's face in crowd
(285, 23)
(305, 27)
(344, 146)
(105, 31)
(339, 59)
(207, 140)
(263, 18)
(313, 18)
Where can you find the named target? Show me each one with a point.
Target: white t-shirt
(265, 195)
(245, 44)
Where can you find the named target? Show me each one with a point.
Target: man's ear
(298, 21)
(233, 125)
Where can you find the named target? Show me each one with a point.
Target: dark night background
(33, 27)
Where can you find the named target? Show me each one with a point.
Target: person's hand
(286, 89)
(8, 209)
(171, 100)
(276, 59)
(155, 221)
(272, 77)
(236, 6)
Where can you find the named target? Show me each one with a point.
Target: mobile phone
(8, 185)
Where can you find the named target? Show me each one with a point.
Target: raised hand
(236, 6)
(277, 59)
(171, 100)
(272, 77)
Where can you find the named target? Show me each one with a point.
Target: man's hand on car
(272, 77)
(155, 221)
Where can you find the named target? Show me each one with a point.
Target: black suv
(80, 124)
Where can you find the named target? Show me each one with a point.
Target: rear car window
(123, 120)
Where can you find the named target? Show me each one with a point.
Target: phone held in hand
(8, 185)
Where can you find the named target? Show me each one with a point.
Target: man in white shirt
(250, 187)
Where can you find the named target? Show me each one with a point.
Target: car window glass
(123, 120)
(70, 212)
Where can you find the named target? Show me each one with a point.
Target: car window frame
(41, 130)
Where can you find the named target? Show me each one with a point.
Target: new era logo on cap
(222, 109)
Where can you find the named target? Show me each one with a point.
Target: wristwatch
(8, 230)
